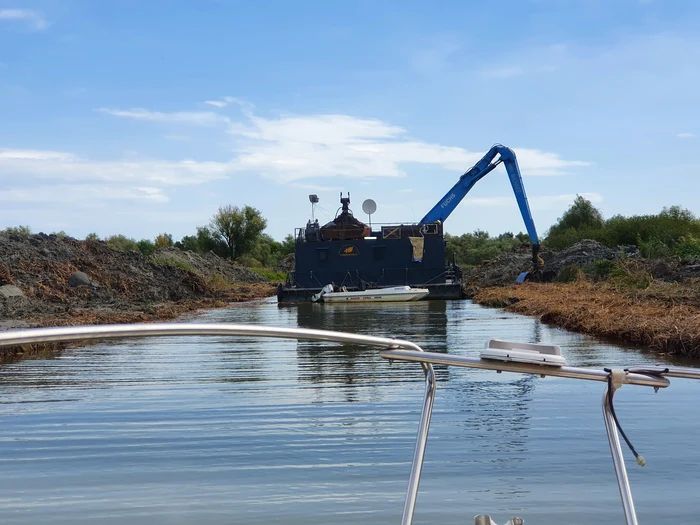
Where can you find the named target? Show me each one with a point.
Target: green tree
(188, 243)
(163, 240)
(581, 221)
(208, 242)
(146, 246)
(288, 244)
(580, 214)
(92, 237)
(239, 228)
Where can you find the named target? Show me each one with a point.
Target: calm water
(223, 431)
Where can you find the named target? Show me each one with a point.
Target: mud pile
(505, 268)
(44, 275)
(208, 265)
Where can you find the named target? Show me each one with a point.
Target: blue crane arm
(452, 198)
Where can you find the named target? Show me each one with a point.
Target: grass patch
(175, 263)
(217, 283)
(271, 274)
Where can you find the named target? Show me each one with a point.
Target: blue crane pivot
(444, 208)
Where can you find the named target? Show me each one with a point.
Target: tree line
(238, 234)
(673, 232)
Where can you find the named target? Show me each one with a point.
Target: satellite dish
(369, 206)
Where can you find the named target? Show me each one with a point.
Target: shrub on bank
(674, 232)
(570, 274)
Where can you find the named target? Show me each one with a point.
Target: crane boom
(444, 208)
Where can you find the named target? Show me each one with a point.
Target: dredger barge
(348, 255)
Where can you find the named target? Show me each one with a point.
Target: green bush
(688, 248)
(630, 275)
(24, 231)
(248, 262)
(569, 274)
(146, 247)
(600, 269)
(271, 274)
(122, 243)
(471, 249)
(670, 232)
(218, 283)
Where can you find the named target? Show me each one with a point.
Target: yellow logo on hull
(349, 250)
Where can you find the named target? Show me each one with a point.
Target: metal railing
(391, 349)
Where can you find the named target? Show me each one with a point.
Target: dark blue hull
(395, 256)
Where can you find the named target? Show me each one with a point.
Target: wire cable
(611, 393)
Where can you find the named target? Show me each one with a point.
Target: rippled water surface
(225, 431)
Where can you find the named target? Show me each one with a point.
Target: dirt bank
(611, 293)
(50, 281)
(666, 319)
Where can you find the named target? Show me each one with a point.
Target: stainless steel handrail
(623, 482)
(644, 376)
(520, 368)
(120, 331)
(101, 332)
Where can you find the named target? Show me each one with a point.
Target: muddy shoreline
(46, 280)
(149, 314)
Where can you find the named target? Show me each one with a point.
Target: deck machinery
(348, 253)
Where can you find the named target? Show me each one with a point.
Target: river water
(242, 431)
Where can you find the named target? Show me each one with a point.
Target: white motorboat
(393, 294)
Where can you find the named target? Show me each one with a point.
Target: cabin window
(379, 253)
(322, 254)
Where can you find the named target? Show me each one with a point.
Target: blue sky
(144, 117)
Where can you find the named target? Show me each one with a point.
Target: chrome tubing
(618, 459)
(667, 371)
(122, 331)
(421, 443)
(591, 374)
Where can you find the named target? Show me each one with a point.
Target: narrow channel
(218, 431)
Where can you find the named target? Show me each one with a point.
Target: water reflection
(359, 369)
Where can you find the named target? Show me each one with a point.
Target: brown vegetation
(664, 316)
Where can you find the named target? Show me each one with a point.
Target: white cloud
(201, 118)
(32, 18)
(54, 165)
(226, 101)
(76, 194)
(537, 202)
(290, 148)
(287, 149)
(30, 154)
(686, 135)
